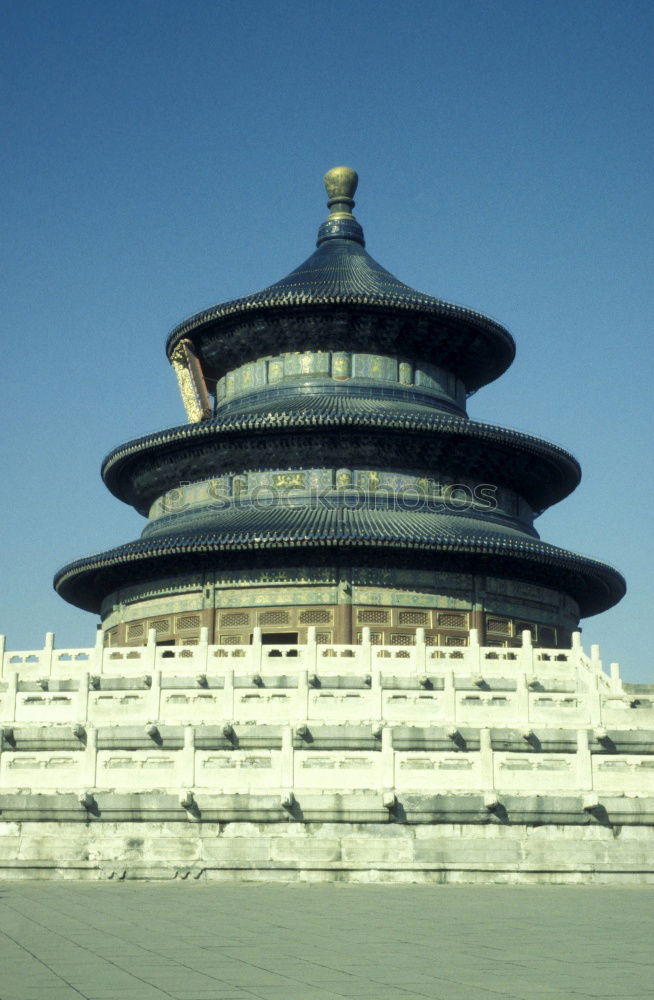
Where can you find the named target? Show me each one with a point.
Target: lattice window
(455, 640)
(323, 637)
(185, 622)
(274, 618)
(161, 626)
(402, 639)
(452, 621)
(234, 619)
(230, 640)
(414, 618)
(498, 625)
(431, 640)
(135, 631)
(315, 616)
(111, 637)
(373, 616)
(190, 642)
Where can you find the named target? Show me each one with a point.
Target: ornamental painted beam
(192, 386)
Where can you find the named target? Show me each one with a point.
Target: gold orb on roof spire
(340, 184)
(341, 181)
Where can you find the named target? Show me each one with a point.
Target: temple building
(330, 477)
(339, 649)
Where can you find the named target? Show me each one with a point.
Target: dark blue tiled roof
(343, 268)
(339, 401)
(599, 586)
(345, 414)
(354, 513)
(339, 271)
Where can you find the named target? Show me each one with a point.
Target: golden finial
(340, 184)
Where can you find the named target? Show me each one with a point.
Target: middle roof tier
(341, 433)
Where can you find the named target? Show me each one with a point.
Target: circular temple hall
(328, 477)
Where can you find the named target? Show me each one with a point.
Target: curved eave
(594, 585)
(253, 304)
(499, 349)
(119, 466)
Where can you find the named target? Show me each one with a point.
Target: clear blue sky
(162, 156)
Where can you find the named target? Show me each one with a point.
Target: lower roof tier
(348, 537)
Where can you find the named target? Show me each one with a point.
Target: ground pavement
(212, 941)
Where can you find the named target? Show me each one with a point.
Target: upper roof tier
(341, 273)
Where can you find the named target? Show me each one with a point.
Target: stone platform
(192, 941)
(312, 762)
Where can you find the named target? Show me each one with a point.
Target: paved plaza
(145, 941)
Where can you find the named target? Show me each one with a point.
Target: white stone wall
(411, 739)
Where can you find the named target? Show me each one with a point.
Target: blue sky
(164, 156)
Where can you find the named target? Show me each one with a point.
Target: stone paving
(151, 941)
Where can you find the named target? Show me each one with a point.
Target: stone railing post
(155, 696)
(12, 691)
(449, 696)
(376, 691)
(487, 760)
(596, 661)
(90, 757)
(522, 699)
(203, 650)
(287, 759)
(366, 648)
(303, 694)
(188, 758)
(83, 697)
(388, 759)
(594, 695)
(311, 650)
(584, 761)
(527, 653)
(150, 660)
(97, 658)
(48, 649)
(578, 664)
(228, 695)
(588, 685)
(420, 660)
(616, 680)
(474, 652)
(258, 660)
